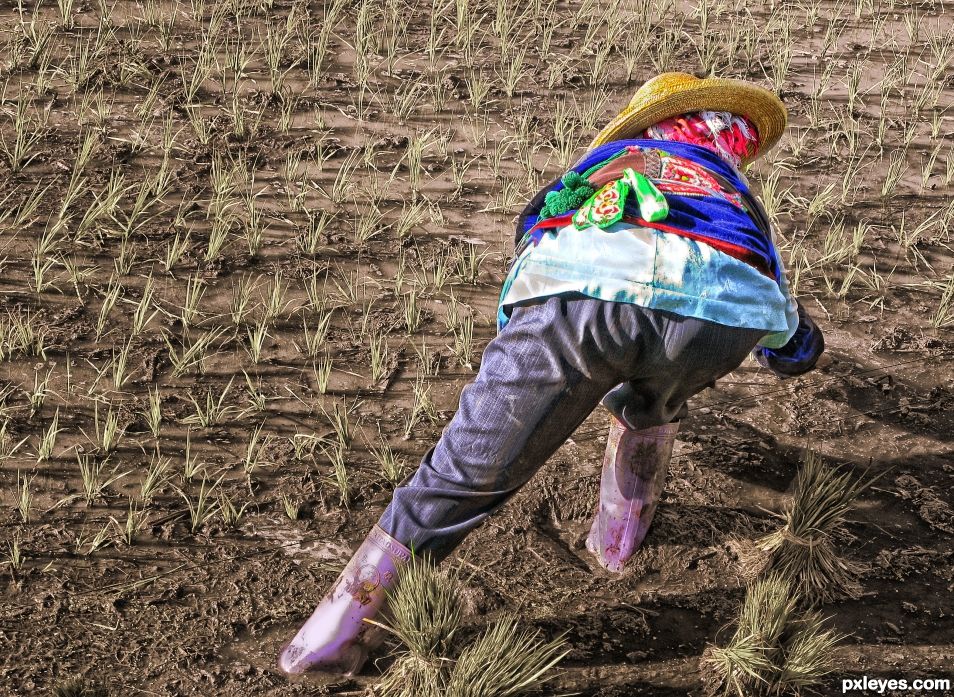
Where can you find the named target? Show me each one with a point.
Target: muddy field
(250, 254)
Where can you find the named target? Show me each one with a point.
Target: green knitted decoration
(576, 190)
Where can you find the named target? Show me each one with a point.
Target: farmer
(641, 276)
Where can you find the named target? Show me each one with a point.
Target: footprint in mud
(293, 543)
(568, 539)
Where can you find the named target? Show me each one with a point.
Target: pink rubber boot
(335, 638)
(634, 474)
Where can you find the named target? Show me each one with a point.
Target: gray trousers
(539, 379)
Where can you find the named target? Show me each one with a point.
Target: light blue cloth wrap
(653, 269)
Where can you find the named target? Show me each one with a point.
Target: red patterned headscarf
(729, 136)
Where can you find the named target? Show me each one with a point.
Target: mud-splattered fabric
(539, 378)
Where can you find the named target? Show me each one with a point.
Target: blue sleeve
(800, 354)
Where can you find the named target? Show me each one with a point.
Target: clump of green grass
(803, 549)
(777, 649)
(425, 613)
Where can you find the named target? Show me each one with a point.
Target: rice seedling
(340, 421)
(192, 354)
(255, 451)
(24, 497)
(424, 613)
(156, 477)
(342, 184)
(463, 347)
(316, 234)
(132, 526)
(339, 472)
(22, 147)
(367, 225)
(512, 71)
(469, 262)
(379, 357)
(290, 507)
(15, 556)
(199, 70)
(897, 164)
(803, 549)
(120, 364)
(391, 465)
(201, 125)
(218, 238)
(230, 514)
(303, 444)
(108, 432)
(241, 299)
(275, 304)
(322, 371)
(48, 438)
(411, 216)
(110, 297)
(133, 217)
(927, 166)
(315, 338)
(213, 411)
(412, 310)
(256, 334)
(505, 660)
(422, 408)
(7, 447)
(142, 315)
(91, 473)
(100, 540)
(254, 395)
(25, 335)
(41, 389)
(201, 509)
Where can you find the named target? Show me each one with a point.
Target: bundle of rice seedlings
(424, 612)
(809, 653)
(777, 649)
(751, 658)
(803, 549)
(503, 661)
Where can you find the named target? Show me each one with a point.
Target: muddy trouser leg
(539, 379)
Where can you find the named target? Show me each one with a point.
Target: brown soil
(205, 611)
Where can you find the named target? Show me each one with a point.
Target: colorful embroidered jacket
(709, 202)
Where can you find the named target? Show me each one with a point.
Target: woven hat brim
(763, 108)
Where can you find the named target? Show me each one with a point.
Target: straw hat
(672, 94)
